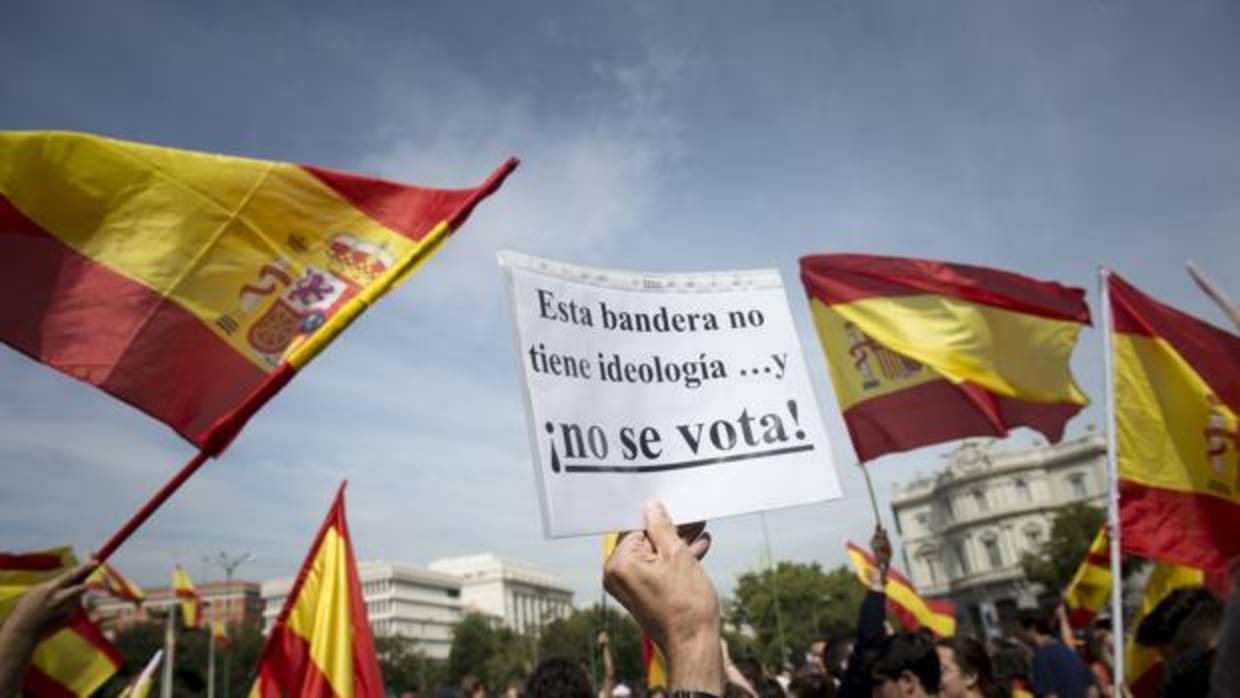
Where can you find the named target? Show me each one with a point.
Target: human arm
(40, 611)
(733, 674)
(609, 668)
(658, 577)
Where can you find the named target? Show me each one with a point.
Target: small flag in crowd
(107, 580)
(1177, 395)
(75, 660)
(922, 352)
(903, 601)
(192, 285)
(191, 602)
(140, 687)
(320, 645)
(1090, 587)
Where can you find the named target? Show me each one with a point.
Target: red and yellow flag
(320, 645)
(1177, 396)
(1143, 666)
(107, 580)
(75, 660)
(903, 601)
(191, 285)
(922, 352)
(191, 602)
(652, 656)
(1090, 587)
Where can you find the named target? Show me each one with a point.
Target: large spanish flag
(903, 601)
(193, 285)
(1090, 587)
(188, 597)
(1177, 395)
(922, 352)
(320, 645)
(74, 661)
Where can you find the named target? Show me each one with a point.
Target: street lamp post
(229, 564)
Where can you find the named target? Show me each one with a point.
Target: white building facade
(514, 593)
(965, 530)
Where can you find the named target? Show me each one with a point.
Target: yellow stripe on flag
(73, 662)
(321, 614)
(900, 592)
(1009, 353)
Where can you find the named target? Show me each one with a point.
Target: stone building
(965, 529)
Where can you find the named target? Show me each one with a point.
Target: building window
(1022, 490)
(962, 560)
(948, 510)
(979, 498)
(993, 554)
(1034, 535)
(1077, 483)
(931, 573)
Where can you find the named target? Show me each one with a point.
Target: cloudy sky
(1042, 137)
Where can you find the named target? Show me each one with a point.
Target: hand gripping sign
(686, 387)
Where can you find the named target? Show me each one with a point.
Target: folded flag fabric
(320, 645)
(903, 601)
(922, 352)
(75, 660)
(1177, 396)
(1090, 587)
(107, 580)
(190, 601)
(193, 285)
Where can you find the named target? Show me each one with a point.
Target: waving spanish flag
(320, 645)
(191, 285)
(1177, 395)
(922, 352)
(903, 601)
(75, 660)
(107, 580)
(191, 602)
(1090, 587)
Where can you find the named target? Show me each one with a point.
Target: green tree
(405, 667)
(575, 638)
(473, 643)
(511, 662)
(811, 604)
(1055, 561)
(240, 654)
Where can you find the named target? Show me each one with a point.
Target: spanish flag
(320, 645)
(652, 656)
(903, 601)
(1177, 395)
(107, 580)
(922, 352)
(191, 602)
(140, 687)
(1090, 587)
(75, 660)
(192, 285)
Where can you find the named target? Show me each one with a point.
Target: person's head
(1189, 618)
(836, 658)
(1034, 624)
(1010, 663)
(558, 678)
(473, 687)
(964, 668)
(1188, 674)
(907, 665)
(812, 685)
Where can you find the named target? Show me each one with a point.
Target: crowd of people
(658, 576)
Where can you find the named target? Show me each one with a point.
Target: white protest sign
(686, 387)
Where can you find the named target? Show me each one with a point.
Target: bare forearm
(16, 649)
(696, 664)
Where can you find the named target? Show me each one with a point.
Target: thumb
(659, 527)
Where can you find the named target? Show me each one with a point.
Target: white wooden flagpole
(1117, 574)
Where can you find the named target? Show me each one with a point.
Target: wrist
(695, 663)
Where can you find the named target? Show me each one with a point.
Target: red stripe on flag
(1191, 529)
(1213, 353)
(288, 661)
(940, 410)
(143, 349)
(30, 562)
(841, 278)
(37, 684)
(410, 211)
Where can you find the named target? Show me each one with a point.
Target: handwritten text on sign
(686, 387)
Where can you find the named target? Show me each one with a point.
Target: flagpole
(1215, 293)
(770, 564)
(869, 486)
(210, 659)
(1117, 574)
(170, 644)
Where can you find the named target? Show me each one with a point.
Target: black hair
(1010, 662)
(812, 686)
(558, 678)
(1188, 675)
(1038, 619)
(911, 652)
(970, 655)
(838, 649)
(1160, 625)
